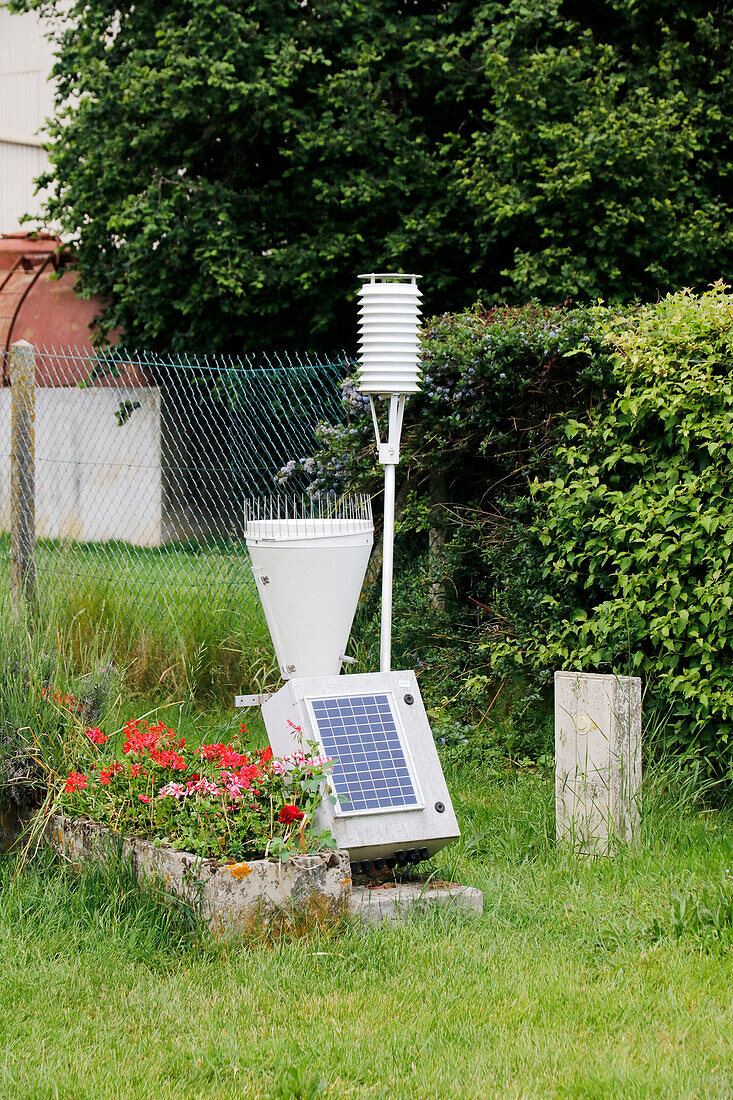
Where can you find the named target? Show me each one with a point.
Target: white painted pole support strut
(389, 456)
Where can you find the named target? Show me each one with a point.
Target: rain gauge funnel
(309, 558)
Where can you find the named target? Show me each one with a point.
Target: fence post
(22, 358)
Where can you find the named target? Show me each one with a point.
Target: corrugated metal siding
(26, 100)
(19, 166)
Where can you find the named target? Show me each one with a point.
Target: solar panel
(371, 772)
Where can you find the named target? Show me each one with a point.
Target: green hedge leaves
(632, 535)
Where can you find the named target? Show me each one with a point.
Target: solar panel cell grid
(361, 734)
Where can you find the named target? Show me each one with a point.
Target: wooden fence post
(22, 358)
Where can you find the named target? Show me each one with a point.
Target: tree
(225, 170)
(604, 164)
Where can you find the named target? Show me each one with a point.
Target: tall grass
(180, 622)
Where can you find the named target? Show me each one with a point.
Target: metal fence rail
(143, 462)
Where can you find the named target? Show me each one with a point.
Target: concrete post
(597, 760)
(22, 362)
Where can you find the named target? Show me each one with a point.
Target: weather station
(309, 558)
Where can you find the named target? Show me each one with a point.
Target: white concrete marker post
(597, 760)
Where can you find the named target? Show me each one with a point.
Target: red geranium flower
(288, 814)
(266, 755)
(211, 752)
(75, 782)
(169, 759)
(142, 737)
(225, 755)
(230, 758)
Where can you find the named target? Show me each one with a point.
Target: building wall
(95, 480)
(26, 100)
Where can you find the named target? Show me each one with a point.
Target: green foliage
(563, 947)
(704, 912)
(603, 131)
(225, 170)
(147, 612)
(220, 167)
(496, 384)
(43, 697)
(631, 538)
(70, 907)
(298, 1082)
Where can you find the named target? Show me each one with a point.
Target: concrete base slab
(394, 902)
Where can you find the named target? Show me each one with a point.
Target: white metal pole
(389, 455)
(389, 312)
(385, 648)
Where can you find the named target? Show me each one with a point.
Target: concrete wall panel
(96, 480)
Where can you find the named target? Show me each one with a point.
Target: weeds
(149, 616)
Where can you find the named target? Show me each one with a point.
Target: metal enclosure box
(297, 714)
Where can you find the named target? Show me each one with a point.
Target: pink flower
(237, 782)
(143, 798)
(173, 790)
(96, 736)
(202, 786)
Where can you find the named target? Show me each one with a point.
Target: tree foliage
(225, 170)
(604, 163)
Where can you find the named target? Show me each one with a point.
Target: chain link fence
(142, 465)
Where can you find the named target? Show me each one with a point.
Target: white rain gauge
(309, 558)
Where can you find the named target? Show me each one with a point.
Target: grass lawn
(574, 983)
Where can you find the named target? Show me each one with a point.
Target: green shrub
(496, 383)
(627, 555)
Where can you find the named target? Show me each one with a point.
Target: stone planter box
(230, 896)
(250, 895)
